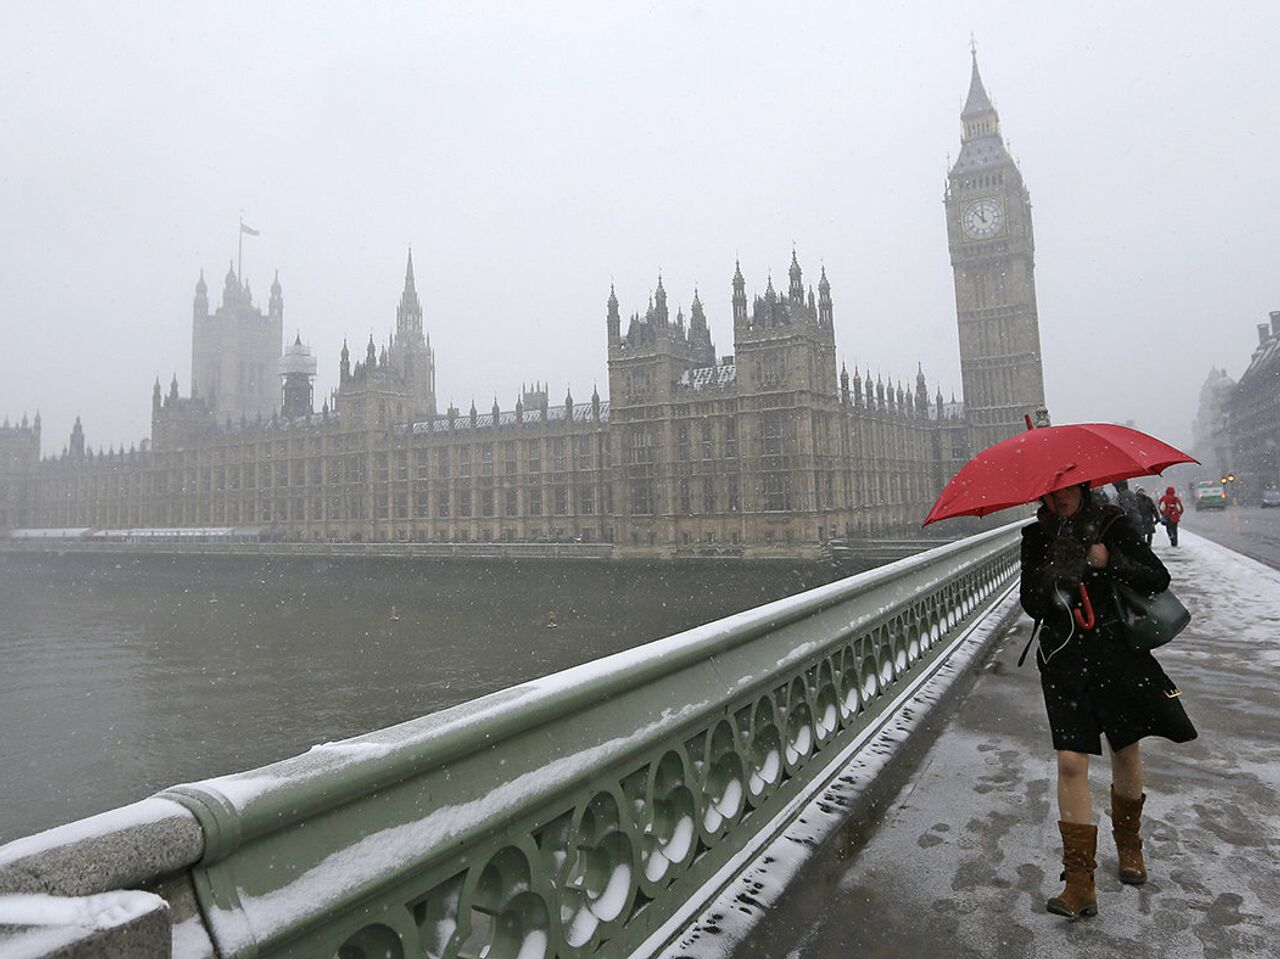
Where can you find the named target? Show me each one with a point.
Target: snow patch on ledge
(103, 911)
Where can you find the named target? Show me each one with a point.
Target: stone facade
(1254, 417)
(992, 245)
(768, 451)
(1211, 432)
(235, 349)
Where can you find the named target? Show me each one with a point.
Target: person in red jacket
(1171, 514)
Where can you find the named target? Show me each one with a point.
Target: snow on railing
(577, 814)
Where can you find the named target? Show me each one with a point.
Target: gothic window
(464, 499)
(708, 495)
(771, 369)
(442, 468)
(464, 461)
(706, 440)
(486, 459)
(776, 494)
(535, 456)
(535, 501)
(641, 445)
(509, 454)
(641, 383)
(442, 504)
(587, 500)
(557, 455)
(731, 437)
(486, 502)
(735, 500)
(422, 464)
(562, 500)
(686, 505)
(512, 501)
(642, 498)
(682, 442)
(772, 433)
(402, 466)
(584, 452)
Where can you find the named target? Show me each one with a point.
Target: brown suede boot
(1079, 845)
(1126, 818)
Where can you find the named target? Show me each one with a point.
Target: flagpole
(240, 254)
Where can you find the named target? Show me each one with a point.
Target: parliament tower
(993, 259)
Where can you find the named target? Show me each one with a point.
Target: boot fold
(1079, 846)
(1126, 823)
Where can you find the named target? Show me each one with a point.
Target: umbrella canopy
(1025, 467)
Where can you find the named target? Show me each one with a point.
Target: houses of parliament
(770, 450)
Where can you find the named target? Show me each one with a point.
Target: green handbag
(1146, 622)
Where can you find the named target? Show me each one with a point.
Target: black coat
(1093, 682)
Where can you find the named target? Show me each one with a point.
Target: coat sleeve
(1131, 560)
(1031, 589)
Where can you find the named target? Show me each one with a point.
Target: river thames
(120, 675)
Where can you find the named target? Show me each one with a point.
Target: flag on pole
(247, 229)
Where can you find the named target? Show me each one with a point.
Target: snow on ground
(967, 852)
(727, 921)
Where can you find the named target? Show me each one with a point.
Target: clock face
(983, 218)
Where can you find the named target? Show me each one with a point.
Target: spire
(201, 287)
(796, 291)
(739, 297)
(978, 119)
(613, 321)
(409, 328)
(977, 101)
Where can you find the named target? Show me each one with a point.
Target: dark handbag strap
(1034, 629)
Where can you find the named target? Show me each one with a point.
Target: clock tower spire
(992, 247)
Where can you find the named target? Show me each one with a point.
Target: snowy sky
(532, 153)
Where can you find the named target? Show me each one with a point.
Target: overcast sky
(532, 153)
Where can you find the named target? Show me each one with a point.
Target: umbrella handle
(1086, 621)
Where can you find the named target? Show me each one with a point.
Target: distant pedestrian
(1171, 513)
(1127, 500)
(1150, 514)
(1093, 682)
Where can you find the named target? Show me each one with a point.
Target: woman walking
(1094, 684)
(1171, 514)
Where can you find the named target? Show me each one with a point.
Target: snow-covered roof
(582, 413)
(709, 377)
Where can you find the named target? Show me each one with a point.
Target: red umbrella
(1025, 467)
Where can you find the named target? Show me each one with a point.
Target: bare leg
(1073, 787)
(1126, 771)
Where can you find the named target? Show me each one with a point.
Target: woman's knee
(1127, 758)
(1073, 765)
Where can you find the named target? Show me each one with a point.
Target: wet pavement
(966, 854)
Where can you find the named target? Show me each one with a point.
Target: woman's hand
(1097, 556)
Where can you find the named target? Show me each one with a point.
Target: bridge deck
(966, 853)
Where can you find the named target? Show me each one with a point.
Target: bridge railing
(586, 813)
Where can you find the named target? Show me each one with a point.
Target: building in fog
(766, 450)
(1254, 416)
(1211, 431)
(993, 247)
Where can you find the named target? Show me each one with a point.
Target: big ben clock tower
(993, 259)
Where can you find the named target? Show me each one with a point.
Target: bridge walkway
(965, 854)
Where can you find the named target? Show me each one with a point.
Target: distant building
(771, 450)
(1211, 432)
(993, 261)
(1254, 415)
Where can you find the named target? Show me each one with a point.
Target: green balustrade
(587, 813)
(575, 815)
